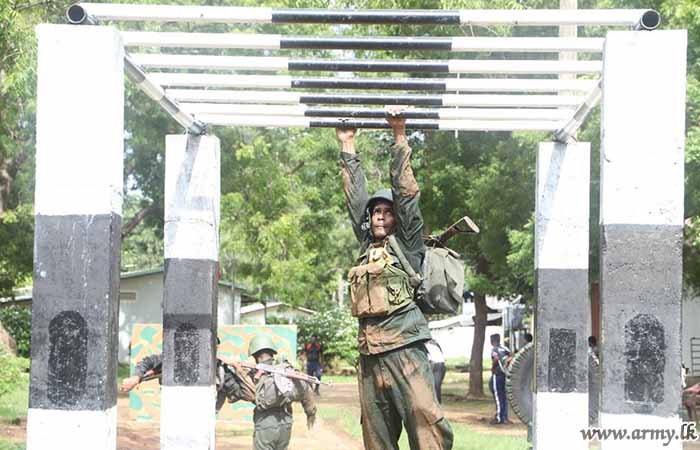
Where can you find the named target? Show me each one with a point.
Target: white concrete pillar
(562, 321)
(78, 211)
(192, 198)
(641, 230)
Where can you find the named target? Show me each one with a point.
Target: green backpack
(439, 286)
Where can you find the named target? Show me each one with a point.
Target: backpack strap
(413, 278)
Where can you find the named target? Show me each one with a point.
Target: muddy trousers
(396, 389)
(439, 375)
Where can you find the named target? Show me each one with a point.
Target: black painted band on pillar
(75, 312)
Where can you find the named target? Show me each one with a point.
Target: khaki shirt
(406, 325)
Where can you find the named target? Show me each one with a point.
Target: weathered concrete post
(562, 322)
(192, 195)
(77, 244)
(641, 230)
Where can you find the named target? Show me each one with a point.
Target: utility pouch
(378, 289)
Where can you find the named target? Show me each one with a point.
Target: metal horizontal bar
(222, 14)
(441, 113)
(403, 84)
(303, 122)
(284, 97)
(275, 63)
(275, 42)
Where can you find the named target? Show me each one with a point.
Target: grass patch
(341, 418)
(14, 404)
(9, 445)
(464, 437)
(467, 439)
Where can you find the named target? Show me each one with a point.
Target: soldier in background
(499, 360)
(437, 364)
(274, 395)
(271, 394)
(395, 378)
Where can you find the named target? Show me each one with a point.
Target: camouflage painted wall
(147, 339)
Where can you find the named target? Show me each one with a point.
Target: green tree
(335, 329)
(17, 319)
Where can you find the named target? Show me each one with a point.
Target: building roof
(25, 294)
(156, 270)
(272, 305)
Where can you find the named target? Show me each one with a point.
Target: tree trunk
(136, 220)
(476, 379)
(5, 186)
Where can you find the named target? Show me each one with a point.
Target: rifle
(150, 375)
(465, 225)
(289, 373)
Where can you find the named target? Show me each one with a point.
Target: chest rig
(377, 286)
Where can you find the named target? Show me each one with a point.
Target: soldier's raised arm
(405, 191)
(354, 181)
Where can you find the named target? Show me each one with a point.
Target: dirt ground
(327, 434)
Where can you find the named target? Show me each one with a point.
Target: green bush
(18, 322)
(11, 370)
(336, 329)
(277, 320)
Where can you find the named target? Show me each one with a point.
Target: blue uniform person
(497, 384)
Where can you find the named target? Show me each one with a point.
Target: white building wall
(225, 307)
(253, 318)
(146, 308)
(456, 342)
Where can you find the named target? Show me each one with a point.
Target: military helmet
(382, 194)
(259, 343)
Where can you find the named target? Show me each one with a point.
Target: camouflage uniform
(228, 383)
(273, 410)
(395, 378)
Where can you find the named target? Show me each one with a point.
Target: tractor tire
(519, 383)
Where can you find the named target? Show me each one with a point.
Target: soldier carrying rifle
(270, 385)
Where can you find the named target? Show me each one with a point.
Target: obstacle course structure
(197, 79)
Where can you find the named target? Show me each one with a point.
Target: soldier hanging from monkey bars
(395, 378)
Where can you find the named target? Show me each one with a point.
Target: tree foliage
(284, 230)
(17, 320)
(335, 329)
